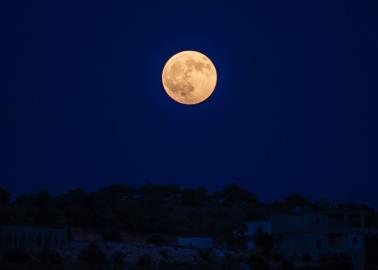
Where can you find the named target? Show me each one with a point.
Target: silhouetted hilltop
(169, 227)
(159, 209)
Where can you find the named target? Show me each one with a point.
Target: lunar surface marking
(189, 77)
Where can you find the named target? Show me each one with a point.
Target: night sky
(82, 103)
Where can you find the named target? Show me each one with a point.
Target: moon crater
(189, 77)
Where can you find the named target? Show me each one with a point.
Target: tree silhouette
(4, 196)
(92, 255)
(235, 195)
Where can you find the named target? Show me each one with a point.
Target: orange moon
(189, 77)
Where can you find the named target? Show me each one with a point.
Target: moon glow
(189, 77)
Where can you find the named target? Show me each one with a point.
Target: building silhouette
(316, 234)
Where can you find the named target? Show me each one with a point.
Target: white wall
(297, 244)
(294, 223)
(255, 226)
(263, 226)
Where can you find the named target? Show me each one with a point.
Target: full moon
(189, 77)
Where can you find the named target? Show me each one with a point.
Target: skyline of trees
(158, 211)
(153, 208)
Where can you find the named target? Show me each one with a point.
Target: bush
(286, 265)
(205, 255)
(112, 235)
(49, 256)
(164, 254)
(156, 239)
(306, 257)
(271, 255)
(118, 261)
(4, 196)
(163, 265)
(144, 261)
(92, 255)
(258, 263)
(15, 255)
(264, 241)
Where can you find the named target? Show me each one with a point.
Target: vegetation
(145, 261)
(49, 256)
(153, 209)
(4, 196)
(118, 261)
(159, 210)
(14, 255)
(92, 255)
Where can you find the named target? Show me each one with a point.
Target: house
(315, 234)
(32, 237)
(197, 242)
(262, 226)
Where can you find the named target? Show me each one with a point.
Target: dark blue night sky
(294, 109)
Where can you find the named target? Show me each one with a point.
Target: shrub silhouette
(258, 263)
(15, 255)
(112, 235)
(118, 261)
(92, 255)
(49, 256)
(144, 261)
